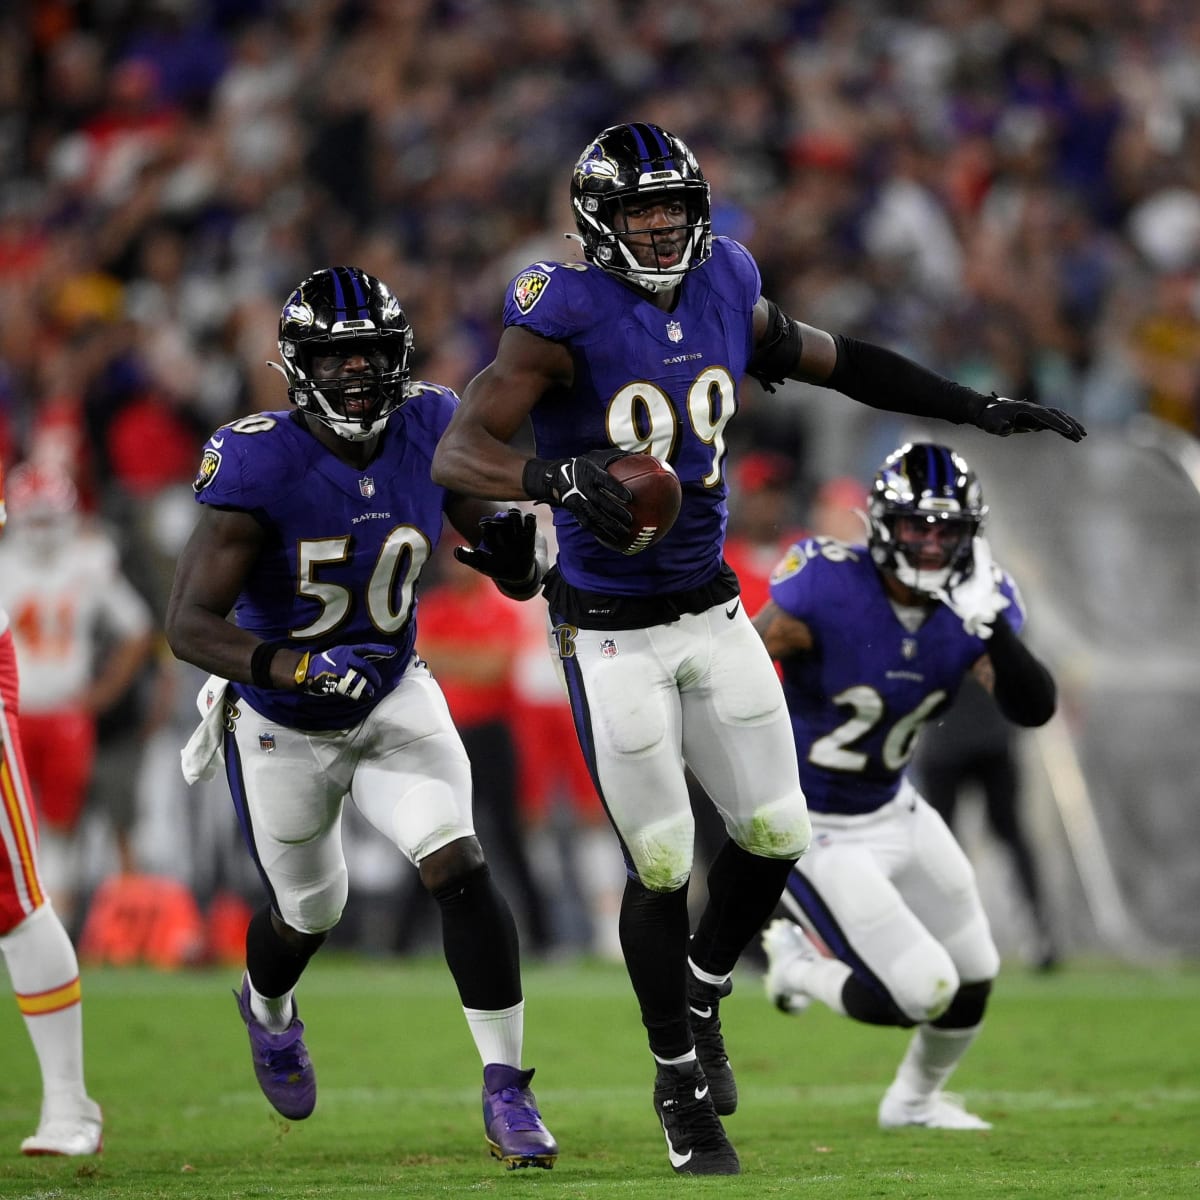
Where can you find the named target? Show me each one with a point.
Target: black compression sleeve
(884, 379)
(1024, 690)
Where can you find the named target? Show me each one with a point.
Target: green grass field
(1091, 1076)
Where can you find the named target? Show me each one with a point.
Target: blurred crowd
(1006, 190)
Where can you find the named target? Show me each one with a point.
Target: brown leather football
(656, 498)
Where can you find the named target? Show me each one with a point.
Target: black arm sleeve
(884, 379)
(1024, 690)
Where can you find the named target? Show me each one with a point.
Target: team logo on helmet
(595, 164)
(296, 312)
(528, 289)
(210, 464)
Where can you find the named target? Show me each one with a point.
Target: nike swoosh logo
(702, 1013)
(677, 1160)
(732, 612)
(702, 1092)
(217, 442)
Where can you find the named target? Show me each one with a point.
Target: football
(656, 498)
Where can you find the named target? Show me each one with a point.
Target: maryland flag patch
(210, 464)
(792, 563)
(528, 289)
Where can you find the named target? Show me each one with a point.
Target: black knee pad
(967, 1008)
(872, 1007)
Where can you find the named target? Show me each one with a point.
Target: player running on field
(314, 526)
(643, 347)
(875, 640)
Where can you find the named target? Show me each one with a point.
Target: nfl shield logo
(266, 742)
(908, 648)
(608, 648)
(366, 485)
(675, 331)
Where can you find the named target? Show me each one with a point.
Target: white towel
(199, 758)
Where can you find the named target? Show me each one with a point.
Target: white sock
(275, 1012)
(707, 976)
(822, 979)
(931, 1057)
(45, 978)
(689, 1057)
(499, 1034)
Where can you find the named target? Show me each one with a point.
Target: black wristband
(536, 477)
(525, 590)
(260, 663)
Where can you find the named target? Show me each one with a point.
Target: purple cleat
(511, 1121)
(285, 1072)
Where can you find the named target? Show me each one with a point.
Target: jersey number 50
(390, 586)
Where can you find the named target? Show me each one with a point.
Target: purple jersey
(645, 380)
(858, 699)
(344, 546)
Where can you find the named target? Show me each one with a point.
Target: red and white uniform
(20, 886)
(60, 600)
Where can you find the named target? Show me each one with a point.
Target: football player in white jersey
(40, 958)
(66, 596)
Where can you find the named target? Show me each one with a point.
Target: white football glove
(977, 600)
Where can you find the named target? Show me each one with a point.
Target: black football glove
(511, 552)
(1002, 416)
(585, 489)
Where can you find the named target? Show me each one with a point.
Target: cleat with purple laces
(285, 1072)
(511, 1121)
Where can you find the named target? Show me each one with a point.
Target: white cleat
(80, 1132)
(942, 1110)
(787, 948)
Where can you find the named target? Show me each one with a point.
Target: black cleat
(696, 1141)
(703, 1003)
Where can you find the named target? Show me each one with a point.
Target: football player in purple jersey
(641, 348)
(874, 641)
(297, 590)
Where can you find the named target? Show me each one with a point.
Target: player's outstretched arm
(881, 378)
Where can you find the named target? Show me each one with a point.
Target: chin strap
(649, 283)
